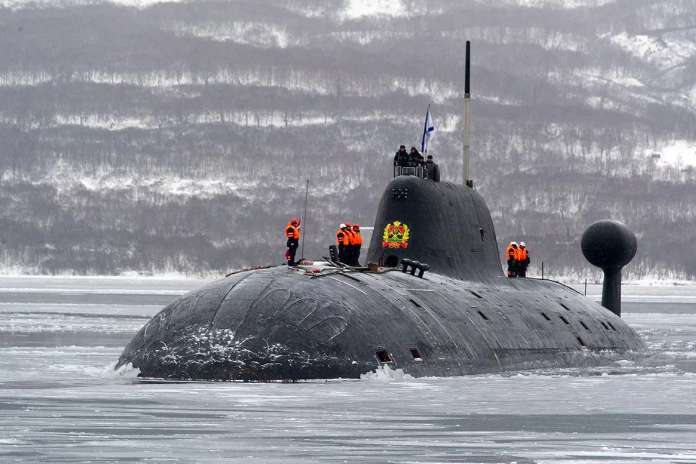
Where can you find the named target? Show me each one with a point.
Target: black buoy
(609, 245)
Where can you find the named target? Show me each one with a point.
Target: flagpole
(424, 147)
(304, 220)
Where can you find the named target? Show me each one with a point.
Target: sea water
(62, 402)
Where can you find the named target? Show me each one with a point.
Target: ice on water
(61, 400)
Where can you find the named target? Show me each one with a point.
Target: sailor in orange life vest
(512, 255)
(523, 260)
(292, 233)
(343, 242)
(350, 252)
(357, 239)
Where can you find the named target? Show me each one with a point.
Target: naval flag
(428, 130)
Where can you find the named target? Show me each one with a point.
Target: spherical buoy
(609, 244)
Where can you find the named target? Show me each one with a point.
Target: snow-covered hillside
(179, 136)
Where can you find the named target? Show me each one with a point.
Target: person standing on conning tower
(413, 157)
(401, 158)
(433, 169)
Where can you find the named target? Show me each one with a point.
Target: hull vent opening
(383, 356)
(564, 320)
(416, 354)
(585, 326)
(581, 342)
(605, 325)
(546, 317)
(414, 303)
(476, 294)
(400, 193)
(612, 327)
(566, 308)
(483, 316)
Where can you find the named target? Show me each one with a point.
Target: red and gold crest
(395, 235)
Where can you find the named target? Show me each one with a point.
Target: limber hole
(605, 326)
(546, 317)
(581, 342)
(415, 353)
(483, 315)
(612, 327)
(476, 294)
(584, 325)
(567, 308)
(416, 304)
(383, 356)
(564, 320)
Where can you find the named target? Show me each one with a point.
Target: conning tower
(445, 225)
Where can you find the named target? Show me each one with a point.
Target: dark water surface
(61, 401)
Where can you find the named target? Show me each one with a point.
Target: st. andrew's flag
(428, 130)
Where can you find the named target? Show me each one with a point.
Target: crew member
(351, 244)
(524, 260)
(358, 244)
(342, 243)
(433, 169)
(512, 254)
(414, 157)
(292, 233)
(401, 157)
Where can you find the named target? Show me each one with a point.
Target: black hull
(279, 324)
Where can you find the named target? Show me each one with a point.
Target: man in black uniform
(433, 169)
(414, 157)
(401, 157)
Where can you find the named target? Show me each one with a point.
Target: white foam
(385, 373)
(127, 371)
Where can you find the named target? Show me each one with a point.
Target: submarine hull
(462, 317)
(280, 324)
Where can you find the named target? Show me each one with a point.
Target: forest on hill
(178, 137)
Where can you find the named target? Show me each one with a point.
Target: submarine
(433, 301)
(458, 315)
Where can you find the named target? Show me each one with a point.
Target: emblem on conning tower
(395, 235)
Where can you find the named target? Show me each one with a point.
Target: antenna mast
(467, 116)
(304, 220)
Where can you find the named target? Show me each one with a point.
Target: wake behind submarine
(463, 316)
(442, 308)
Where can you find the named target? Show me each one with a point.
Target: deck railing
(418, 171)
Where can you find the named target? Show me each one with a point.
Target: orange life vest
(511, 253)
(292, 232)
(351, 236)
(524, 254)
(342, 238)
(358, 237)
